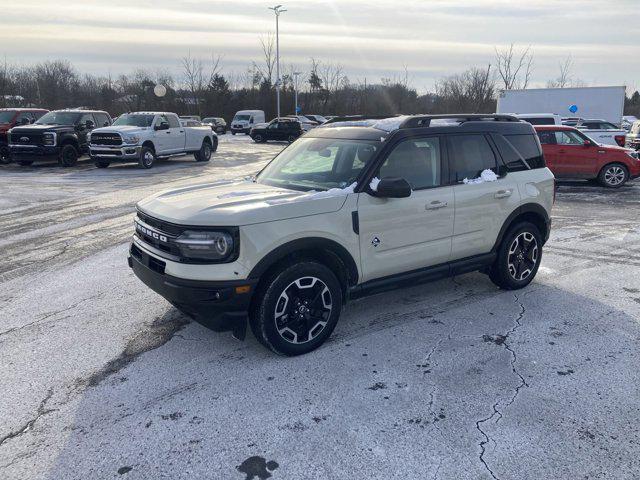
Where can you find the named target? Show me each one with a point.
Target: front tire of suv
(102, 164)
(204, 154)
(25, 163)
(68, 156)
(147, 157)
(258, 138)
(613, 175)
(5, 155)
(297, 308)
(519, 257)
(292, 138)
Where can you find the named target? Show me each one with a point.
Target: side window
(568, 138)
(470, 155)
(415, 160)
(37, 115)
(87, 117)
(273, 125)
(547, 137)
(173, 121)
(102, 120)
(161, 119)
(24, 117)
(527, 147)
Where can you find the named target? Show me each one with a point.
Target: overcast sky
(372, 39)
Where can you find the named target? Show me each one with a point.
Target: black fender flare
(525, 210)
(307, 244)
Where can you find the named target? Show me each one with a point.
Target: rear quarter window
(540, 120)
(515, 148)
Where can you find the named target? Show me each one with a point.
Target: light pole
(295, 89)
(277, 10)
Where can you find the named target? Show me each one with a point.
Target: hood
(236, 204)
(41, 128)
(130, 129)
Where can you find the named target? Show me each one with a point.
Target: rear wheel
(5, 155)
(297, 308)
(147, 157)
(613, 176)
(292, 138)
(518, 257)
(258, 138)
(204, 154)
(102, 163)
(68, 156)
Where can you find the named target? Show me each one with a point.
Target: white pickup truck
(603, 132)
(145, 136)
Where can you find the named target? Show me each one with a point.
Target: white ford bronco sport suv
(349, 209)
(143, 137)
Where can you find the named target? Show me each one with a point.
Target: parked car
(217, 124)
(189, 122)
(190, 117)
(143, 137)
(60, 134)
(307, 124)
(245, 120)
(571, 121)
(12, 117)
(628, 121)
(603, 132)
(633, 137)
(570, 153)
(319, 119)
(540, 118)
(281, 129)
(342, 213)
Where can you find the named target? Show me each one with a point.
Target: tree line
(202, 88)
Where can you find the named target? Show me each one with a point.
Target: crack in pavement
(496, 412)
(42, 410)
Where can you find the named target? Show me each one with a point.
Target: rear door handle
(503, 193)
(436, 204)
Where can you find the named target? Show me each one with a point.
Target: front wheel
(519, 257)
(147, 157)
(297, 308)
(68, 156)
(5, 155)
(204, 154)
(258, 138)
(613, 176)
(101, 164)
(25, 163)
(292, 138)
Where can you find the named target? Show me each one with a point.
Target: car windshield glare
(59, 118)
(318, 164)
(134, 120)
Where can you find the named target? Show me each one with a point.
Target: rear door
(550, 149)
(177, 136)
(403, 234)
(480, 208)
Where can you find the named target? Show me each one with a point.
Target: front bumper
(240, 129)
(124, 153)
(217, 305)
(33, 151)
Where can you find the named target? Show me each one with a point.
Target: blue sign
(298, 110)
(573, 109)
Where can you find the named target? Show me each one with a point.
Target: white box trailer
(606, 103)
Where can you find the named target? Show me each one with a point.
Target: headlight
(205, 245)
(130, 140)
(49, 138)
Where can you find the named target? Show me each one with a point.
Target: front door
(402, 234)
(574, 158)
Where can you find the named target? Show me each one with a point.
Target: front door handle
(436, 204)
(503, 193)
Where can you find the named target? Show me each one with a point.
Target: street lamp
(295, 89)
(277, 10)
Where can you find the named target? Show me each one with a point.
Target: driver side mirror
(89, 125)
(162, 126)
(393, 187)
(587, 143)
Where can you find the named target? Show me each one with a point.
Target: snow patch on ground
(486, 176)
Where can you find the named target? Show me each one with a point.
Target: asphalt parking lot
(101, 378)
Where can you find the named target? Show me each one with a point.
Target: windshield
(209, 120)
(318, 164)
(59, 118)
(240, 118)
(134, 120)
(6, 116)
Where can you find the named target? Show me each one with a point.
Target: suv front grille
(18, 138)
(157, 234)
(110, 139)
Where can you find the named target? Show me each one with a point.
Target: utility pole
(277, 10)
(295, 89)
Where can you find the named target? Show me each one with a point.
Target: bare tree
(471, 91)
(514, 68)
(268, 65)
(193, 71)
(565, 78)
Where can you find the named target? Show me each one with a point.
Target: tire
(613, 175)
(292, 138)
(102, 163)
(68, 155)
(232, 132)
(519, 257)
(5, 155)
(258, 138)
(283, 322)
(25, 163)
(204, 154)
(147, 157)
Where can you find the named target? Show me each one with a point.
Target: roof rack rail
(351, 118)
(417, 121)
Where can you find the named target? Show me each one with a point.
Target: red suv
(569, 153)
(14, 117)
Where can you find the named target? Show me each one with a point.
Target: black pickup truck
(61, 135)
